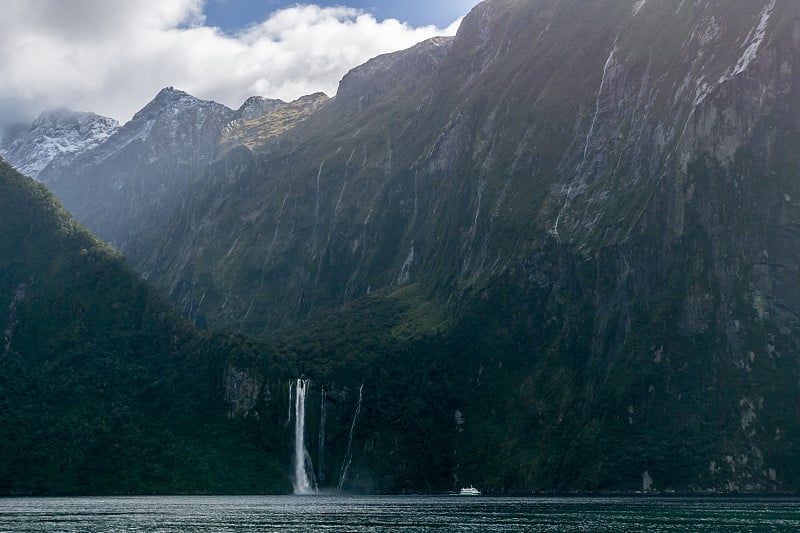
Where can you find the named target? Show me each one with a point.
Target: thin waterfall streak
(321, 448)
(316, 205)
(589, 135)
(302, 461)
(597, 105)
(289, 415)
(348, 458)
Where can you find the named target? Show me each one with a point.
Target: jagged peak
(257, 106)
(172, 92)
(254, 132)
(170, 99)
(170, 95)
(57, 134)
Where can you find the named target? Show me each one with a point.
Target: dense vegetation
(103, 389)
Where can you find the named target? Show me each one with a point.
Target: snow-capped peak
(58, 134)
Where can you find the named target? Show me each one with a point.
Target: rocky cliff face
(404, 73)
(56, 137)
(618, 176)
(598, 203)
(258, 106)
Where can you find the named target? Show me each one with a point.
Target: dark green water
(384, 514)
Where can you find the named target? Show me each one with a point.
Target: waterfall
(587, 144)
(302, 461)
(321, 449)
(348, 458)
(289, 415)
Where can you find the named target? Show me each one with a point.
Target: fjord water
(397, 513)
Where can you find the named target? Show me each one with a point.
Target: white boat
(469, 491)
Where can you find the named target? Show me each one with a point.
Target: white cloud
(112, 57)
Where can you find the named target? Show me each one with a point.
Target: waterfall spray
(348, 458)
(302, 461)
(321, 449)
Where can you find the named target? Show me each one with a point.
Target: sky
(112, 57)
(231, 15)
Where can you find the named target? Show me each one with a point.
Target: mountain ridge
(56, 137)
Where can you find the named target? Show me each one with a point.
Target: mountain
(605, 191)
(127, 187)
(103, 388)
(128, 183)
(559, 250)
(57, 137)
(253, 248)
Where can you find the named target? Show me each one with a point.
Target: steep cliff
(560, 250)
(617, 179)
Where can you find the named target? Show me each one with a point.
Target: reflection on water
(384, 514)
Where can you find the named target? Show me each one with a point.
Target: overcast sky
(113, 56)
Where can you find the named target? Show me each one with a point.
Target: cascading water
(321, 449)
(289, 415)
(348, 458)
(303, 484)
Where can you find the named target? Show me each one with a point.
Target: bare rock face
(242, 390)
(400, 72)
(622, 173)
(258, 106)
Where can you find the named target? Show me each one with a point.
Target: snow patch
(701, 92)
(61, 134)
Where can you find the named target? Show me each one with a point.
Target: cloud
(113, 57)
